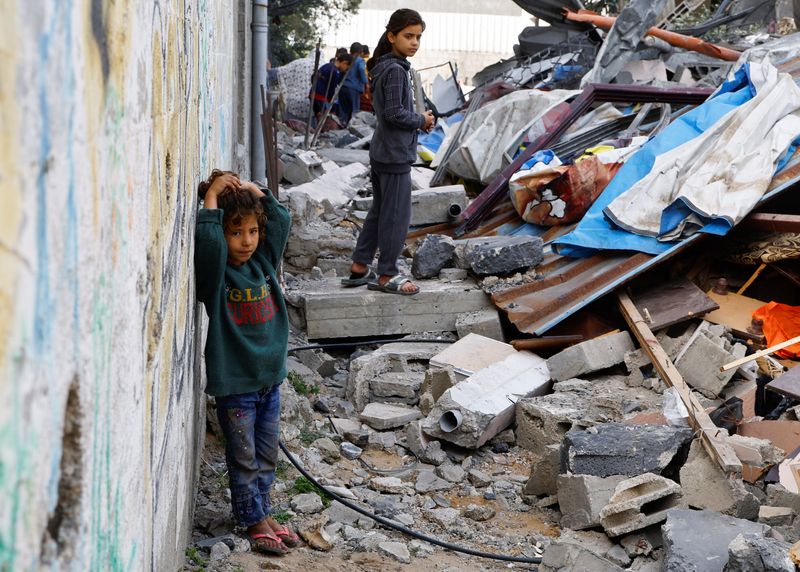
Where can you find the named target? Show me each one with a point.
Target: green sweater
(248, 327)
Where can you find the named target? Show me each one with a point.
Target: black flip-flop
(393, 286)
(359, 279)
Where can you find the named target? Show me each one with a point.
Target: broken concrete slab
(384, 416)
(483, 322)
(750, 552)
(438, 380)
(434, 253)
(590, 356)
(565, 556)
(639, 502)
(337, 186)
(471, 354)
(581, 498)
(700, 365)
(427, 482)
(305, 167)
(478, 408)
(421, 177)
(402, 385)
(432, 206)
(705, 486)
(344, 157)
(776, 515)
(503, 254)
(617, 449)
(698, 540)
(333, 312)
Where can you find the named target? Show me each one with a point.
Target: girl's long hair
(399, 20)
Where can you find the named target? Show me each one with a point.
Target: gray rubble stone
(503, 254)
(544, 473)
(698, 540)
(416, 440)
(701, 362)
(753, 553)
(562, 556)
(778, 495)
(397, 550)
(402, 384)
(220, 551)
(706, 486)
(337, 512)
(479, 478)
(427, 481)
(307, 503)
(639, 502)
(479, 513)
(330, 452)
(776, 515)
(617, 449)
(434, 253)
(451, 472)
(371, 541)
(485, 323)
(453, 274)
(384, 416)
(358, 437)
(421, 548)
(390, 485)
(438, 380)
(434, 454)
(544, 420)
(382, 439)
(590, 356)
(582, 497)
(444, 517)
(618, 556)
(344, 157)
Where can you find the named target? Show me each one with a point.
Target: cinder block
(581, 498)
(590, 356)
(639, 502)
(701, 362)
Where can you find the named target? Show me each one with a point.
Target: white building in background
(469, 33)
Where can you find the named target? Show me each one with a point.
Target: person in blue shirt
(328, 77)
(353, 86)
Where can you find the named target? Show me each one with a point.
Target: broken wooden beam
(771, 222)
(711, 436)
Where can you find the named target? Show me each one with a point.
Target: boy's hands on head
(220, 184)
(252, 187)
(429, 120)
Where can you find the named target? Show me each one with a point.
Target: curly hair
(236, 204)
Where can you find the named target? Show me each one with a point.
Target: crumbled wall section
(110, 113)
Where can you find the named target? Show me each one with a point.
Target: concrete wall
(110, 113)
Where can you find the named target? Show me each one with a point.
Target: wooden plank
(762, 353)
(736, 312)
(672, 303)
(787, 383)
(711, 436)
(769, 222)
(752, 279)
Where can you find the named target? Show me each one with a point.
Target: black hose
(367, 343)
(403, 529)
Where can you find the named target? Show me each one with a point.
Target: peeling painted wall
(110, 114)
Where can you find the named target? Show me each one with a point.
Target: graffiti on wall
(118, 109)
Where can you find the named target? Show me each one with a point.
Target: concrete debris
(344, 157)
(544, 473)
(590, 356)
(639, 502)
(307, 503)
(350, 451)
(476, 409)
(750, 552)
(397, 550)
(482, 322)
(699, 540)
(432, 206)
(702, 360)
(617, 449)
(503, 254)
(313, 532)
(581, 498)
(382, 416)
(434, 253)
(305, 167)
(337, 185)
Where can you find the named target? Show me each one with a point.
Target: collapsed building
(605, 237)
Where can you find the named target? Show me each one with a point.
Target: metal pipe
(678, 40)
(259, 27)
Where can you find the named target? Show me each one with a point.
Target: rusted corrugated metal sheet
(570, 284)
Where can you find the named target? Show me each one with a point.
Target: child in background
(353, 86)
(329, 76)
(392, 151)
(240, 238)
(365, 101)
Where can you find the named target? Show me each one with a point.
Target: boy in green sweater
(240, 238)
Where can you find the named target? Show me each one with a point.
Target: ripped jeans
(250, 423)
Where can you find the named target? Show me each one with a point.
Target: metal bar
(327, 111)
(314, 78)
(438, 175)
(677, 40)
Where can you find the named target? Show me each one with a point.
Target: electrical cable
(368, 343)
(403, 529)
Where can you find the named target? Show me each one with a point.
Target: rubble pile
(598, 370)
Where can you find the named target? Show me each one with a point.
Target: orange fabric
(781, 323)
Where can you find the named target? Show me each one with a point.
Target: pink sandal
(288, 536)
(267, 543)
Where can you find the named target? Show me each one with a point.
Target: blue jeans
(349, 103)
(250, 423)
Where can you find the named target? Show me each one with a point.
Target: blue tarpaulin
(595, 232)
